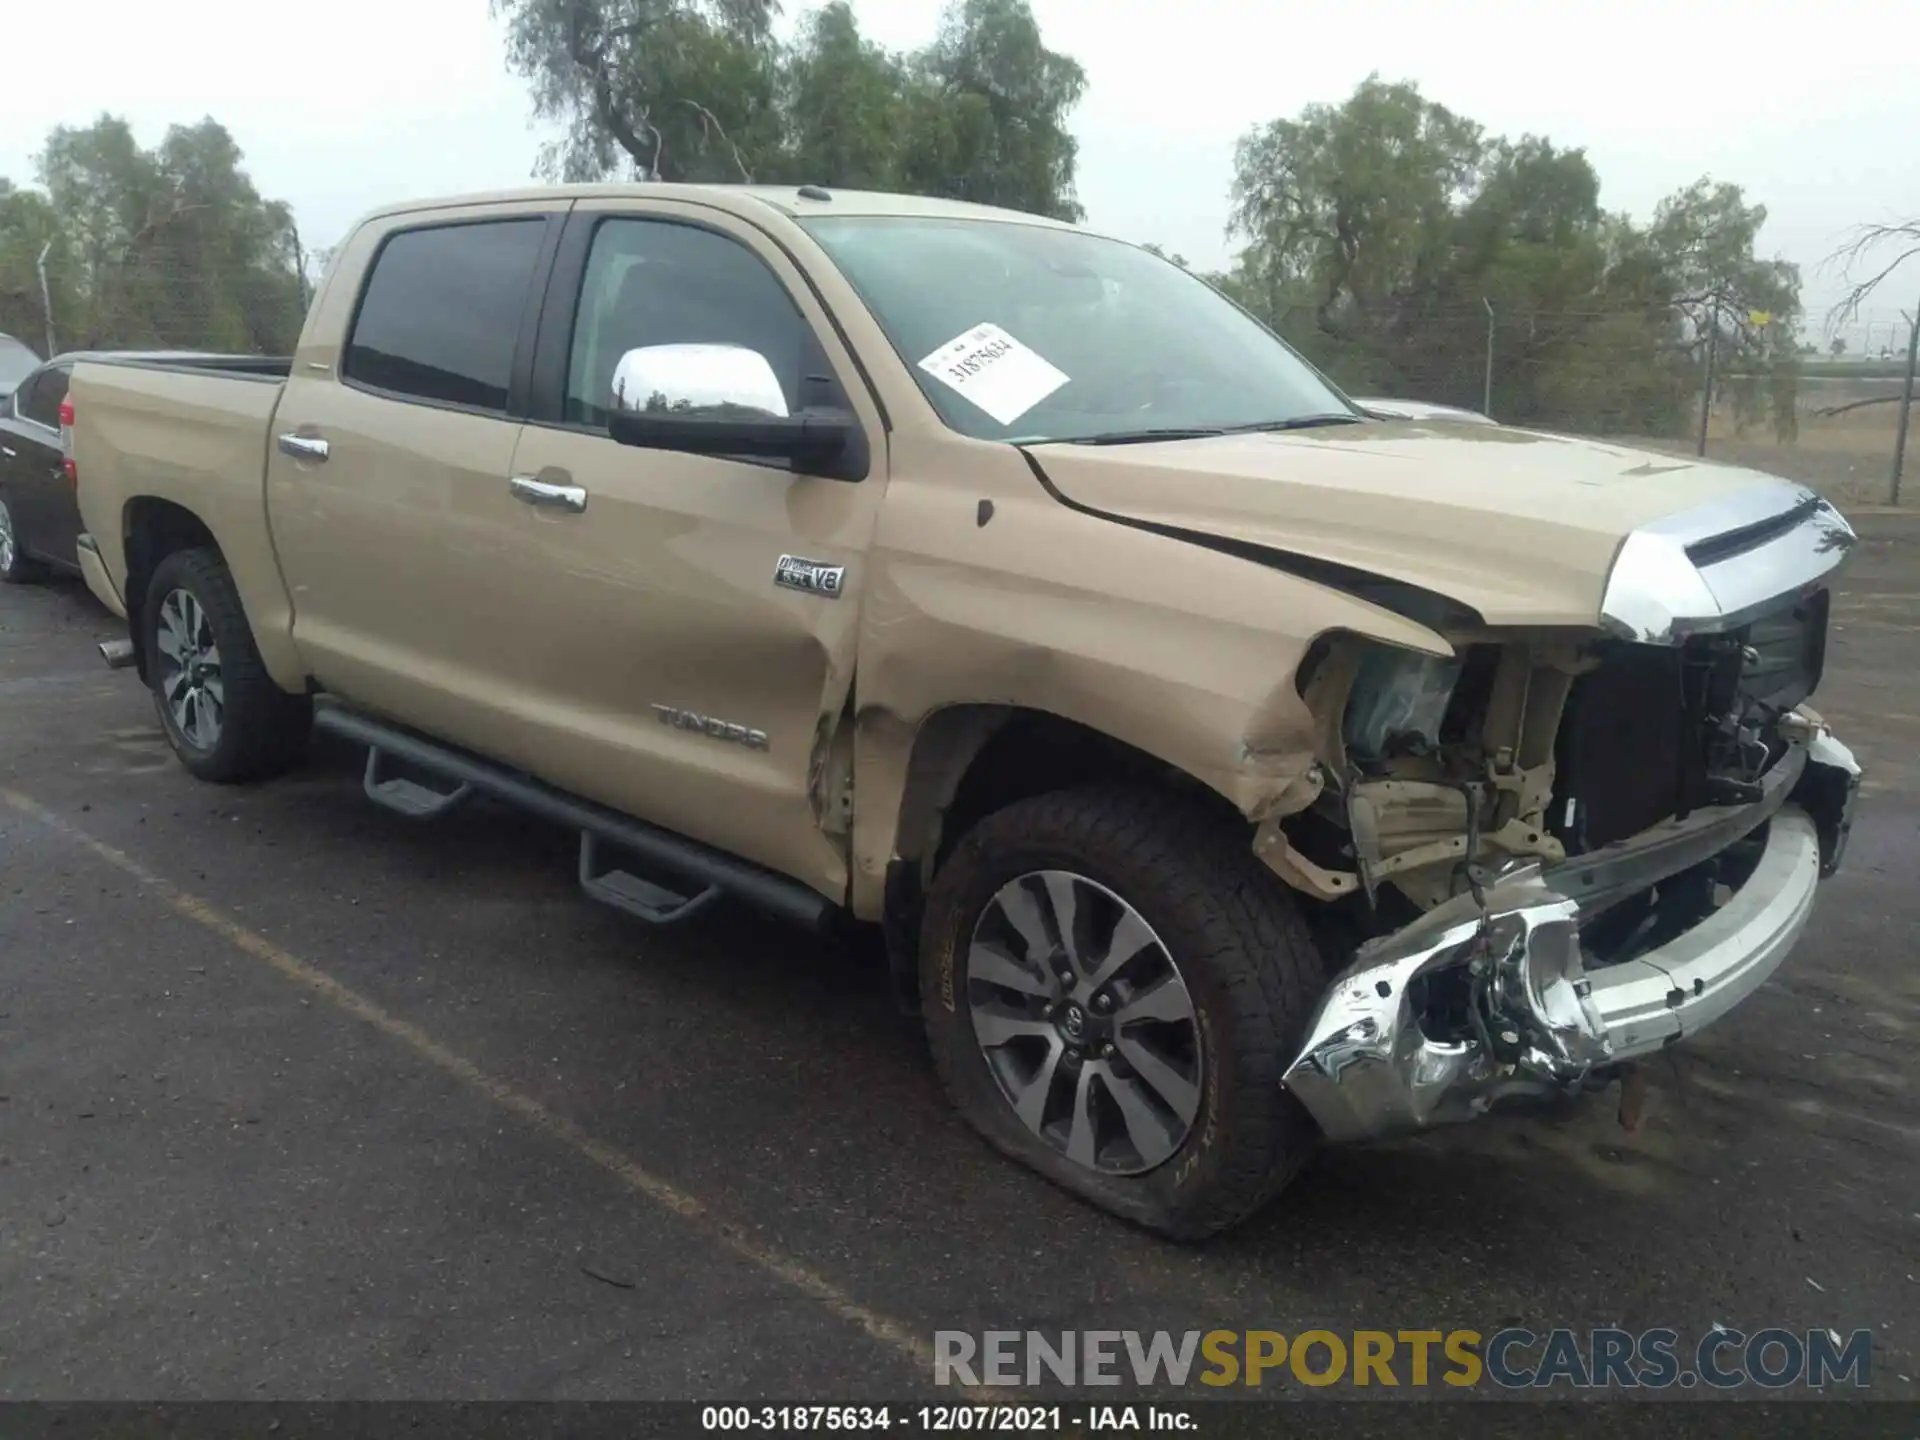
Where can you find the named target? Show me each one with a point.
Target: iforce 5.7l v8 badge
(811, 576)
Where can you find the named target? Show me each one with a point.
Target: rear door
(389, 463)
(46, 516)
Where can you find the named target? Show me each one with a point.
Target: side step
(640, 898)
(409, 797)
(716, 872)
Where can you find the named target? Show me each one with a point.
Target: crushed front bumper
(1547, 1022)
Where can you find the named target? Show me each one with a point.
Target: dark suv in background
(39, 514)
(39, 520)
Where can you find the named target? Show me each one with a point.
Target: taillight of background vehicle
(66, 442)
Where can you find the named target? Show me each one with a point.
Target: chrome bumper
(1548, 1023)
(1690, 982)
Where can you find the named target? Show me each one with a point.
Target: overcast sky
(1815, 110)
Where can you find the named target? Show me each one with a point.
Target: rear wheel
(1113, 986)
(225, 718)
(15, 567)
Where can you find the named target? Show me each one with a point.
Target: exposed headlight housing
(1399, 697)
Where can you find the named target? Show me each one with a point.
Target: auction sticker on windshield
(995, 371)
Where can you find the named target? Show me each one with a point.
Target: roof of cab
(786, 199)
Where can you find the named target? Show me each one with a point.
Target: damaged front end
(1558, 853)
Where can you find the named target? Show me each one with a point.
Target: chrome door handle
(6, 451)
(539, 492)
(303, 447)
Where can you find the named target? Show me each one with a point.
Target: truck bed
(249, 367)
(190, 432)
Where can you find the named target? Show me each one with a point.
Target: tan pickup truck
(1230, 769)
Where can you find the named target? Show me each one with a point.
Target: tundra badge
(811, 576)
(706, 725)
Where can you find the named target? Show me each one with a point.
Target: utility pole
(300, 263)
(1906, 401)
(46, 295)
(1706, 391)
(1486, 401)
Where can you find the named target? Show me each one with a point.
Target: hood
(1521, 526)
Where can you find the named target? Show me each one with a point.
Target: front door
(690, 679)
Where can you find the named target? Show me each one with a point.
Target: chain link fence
(1803, 406)
(1795, 404)
(61, 304)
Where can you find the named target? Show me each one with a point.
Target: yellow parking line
(635, 1177)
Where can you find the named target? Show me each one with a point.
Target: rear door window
(441, 313)
(40, 397)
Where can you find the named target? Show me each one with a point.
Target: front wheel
(1113, 986)
(225, 718)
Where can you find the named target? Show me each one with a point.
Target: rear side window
(16, 363)
(40, 397)
(442, 311)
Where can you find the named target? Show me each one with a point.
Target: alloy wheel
(1085, 1022)
(190, 680)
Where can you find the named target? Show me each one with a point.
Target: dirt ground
(1847, 457)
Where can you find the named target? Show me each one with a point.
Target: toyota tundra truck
(1229, 769)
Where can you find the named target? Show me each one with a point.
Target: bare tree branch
(652, 168)
(157, 222)
(1828, 411)
(708, 118)
(605, 106)
(1867, 238)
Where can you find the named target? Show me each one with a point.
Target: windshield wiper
(1298, 422)
(1200, 432)
(1142, 437)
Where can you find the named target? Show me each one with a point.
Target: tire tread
(1251, 937)
(264, 729)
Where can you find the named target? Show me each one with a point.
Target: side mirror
(726, 400)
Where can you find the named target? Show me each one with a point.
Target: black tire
(16, 568)
(262, 730)
(1238, 942)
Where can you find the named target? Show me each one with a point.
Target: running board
(715, 871)
(409, 797)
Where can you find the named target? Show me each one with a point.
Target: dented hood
(1521, 526)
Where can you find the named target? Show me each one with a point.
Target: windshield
(16, 363)
(1022, 332)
